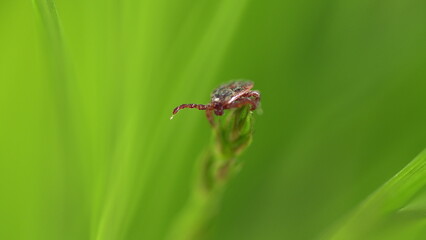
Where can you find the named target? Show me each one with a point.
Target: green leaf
(397, 210)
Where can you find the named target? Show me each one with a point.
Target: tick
(227, 96)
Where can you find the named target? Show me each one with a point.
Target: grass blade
(395, 211)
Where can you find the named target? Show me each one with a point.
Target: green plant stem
(231, 136)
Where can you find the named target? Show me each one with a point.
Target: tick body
(227, 96)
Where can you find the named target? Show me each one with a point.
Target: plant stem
(231, 136)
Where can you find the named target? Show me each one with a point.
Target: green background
(87, 150)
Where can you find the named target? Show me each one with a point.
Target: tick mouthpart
(218, 112)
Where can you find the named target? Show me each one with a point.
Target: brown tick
(230, 95)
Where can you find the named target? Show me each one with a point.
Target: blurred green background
(87, 150)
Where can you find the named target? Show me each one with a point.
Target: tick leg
(209, 115)
(243, 101)
(252, 94)
(197, 106)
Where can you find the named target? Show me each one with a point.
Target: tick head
(218, 108)
(218, 112)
